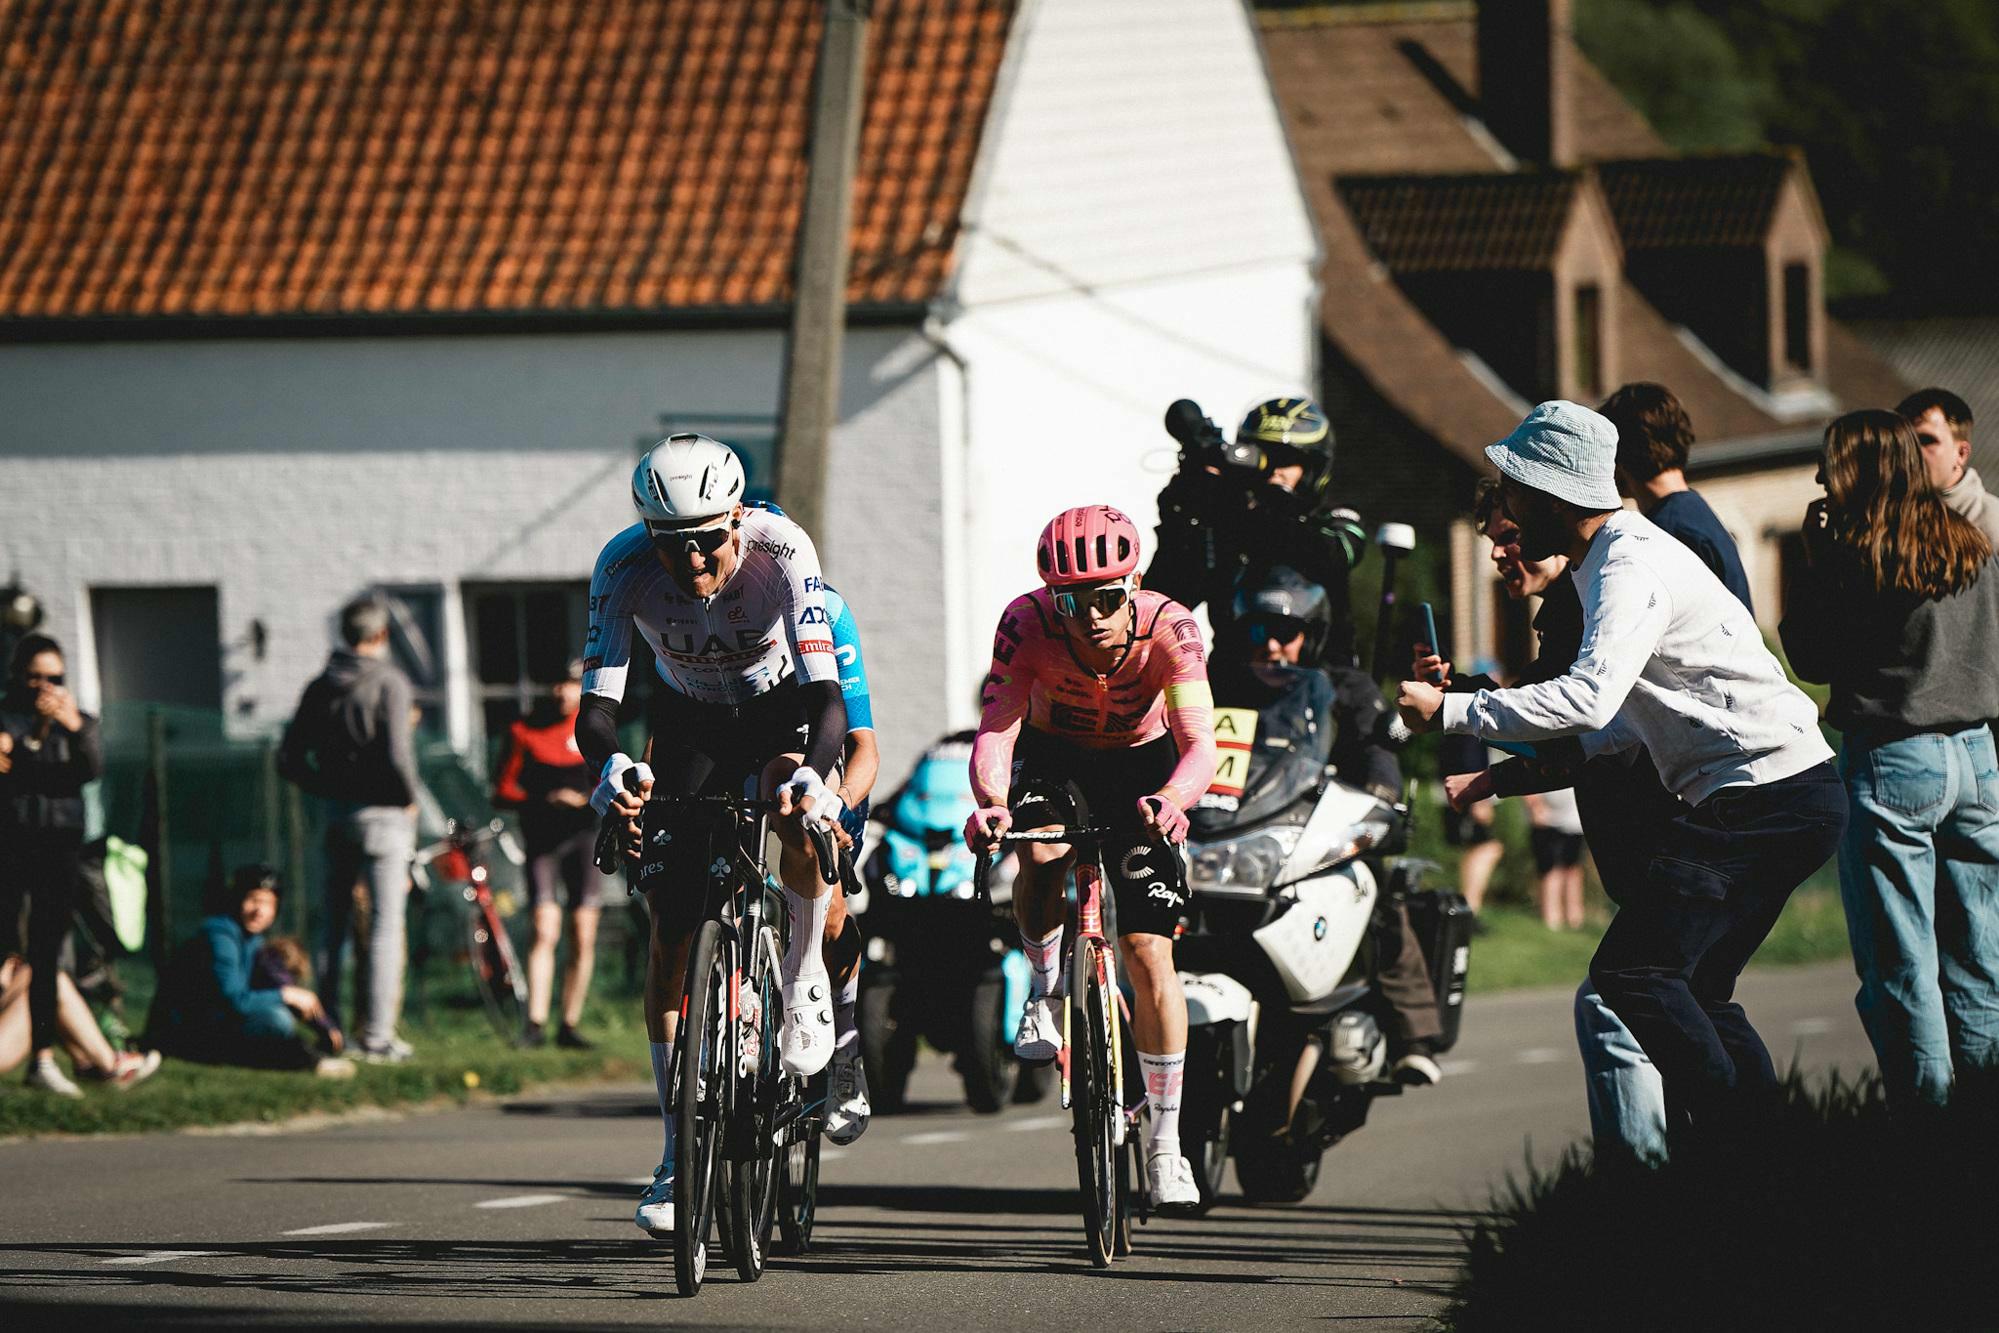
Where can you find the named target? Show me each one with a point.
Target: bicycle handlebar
(611, 835)
(1085, 835)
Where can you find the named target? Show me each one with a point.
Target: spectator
(544, 777)
(283, 962)
(210, 1006)
(350, 743)
(1943, 428)
(49, 749)
(1898, 609)
(93, 1056)
(1557, 839)
(1653, 439)
(1670, 660)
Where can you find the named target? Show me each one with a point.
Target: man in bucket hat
(1672, 661)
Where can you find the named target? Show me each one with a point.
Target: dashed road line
(162, 1257)
(936, 1136)
(1035, 1122)
(337, 1229)
(1453, 1068)
(1812, 1027)
(1539, 1055)
(524, 1200)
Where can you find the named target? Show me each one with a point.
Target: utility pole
(819, 288)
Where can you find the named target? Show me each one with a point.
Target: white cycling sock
(662, 1066)
(845, 1031)
(808, 931)
(1045, 957)
(1164, 1075)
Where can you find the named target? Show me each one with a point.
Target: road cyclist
(730, 600)
(1099, 684)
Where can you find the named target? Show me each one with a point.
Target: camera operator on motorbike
(731, 602)
(1235, 511)
(1281, 625)
(1100, 673)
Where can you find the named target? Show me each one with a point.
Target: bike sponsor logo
(812, 615)
(652, 868)
(848, 654)
(748, 643)
(661, 837)
(1319, 928)
(593, 663)
(1158, 889)
(719, 868)
(812, 584)
(1134, 866)
(777, 550)
(624, 562)
(739, 613)
(815, 646)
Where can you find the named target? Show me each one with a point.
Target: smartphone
(1427, 619)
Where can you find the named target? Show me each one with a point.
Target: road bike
(460, 857)
(748, 1132)
(1094, 1057)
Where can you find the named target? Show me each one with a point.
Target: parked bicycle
(460, 857)
(748, 1131)
(1104, 1119)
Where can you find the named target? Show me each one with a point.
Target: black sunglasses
(1262, 629)
(676, 541)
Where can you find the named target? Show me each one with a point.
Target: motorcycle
(940, 965)
(1290, 873)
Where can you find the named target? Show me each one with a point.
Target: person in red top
(1097, 683)
(544, 777)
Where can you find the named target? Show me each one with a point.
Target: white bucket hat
(1565, 449)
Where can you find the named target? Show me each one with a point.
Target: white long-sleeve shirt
(1670, 660)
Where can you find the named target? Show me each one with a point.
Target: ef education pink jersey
(1160, 684)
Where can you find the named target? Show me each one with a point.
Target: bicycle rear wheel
(798, 1185)
(753, 1174)
(496, 971)
(702, 1070)
(1093, 1100)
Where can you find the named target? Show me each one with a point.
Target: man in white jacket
(1670, 660)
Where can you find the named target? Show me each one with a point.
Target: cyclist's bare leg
(1159, 1005)
(1039, 908)
(666, 977)
(582, 962)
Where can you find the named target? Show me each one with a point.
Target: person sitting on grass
(284, 962)
(210, 1006)
(77, 1030)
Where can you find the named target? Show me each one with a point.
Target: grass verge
(1836, 1214)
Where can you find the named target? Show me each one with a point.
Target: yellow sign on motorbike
(1235, 736)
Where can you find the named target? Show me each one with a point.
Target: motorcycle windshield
(1287, 744)
(937, 798)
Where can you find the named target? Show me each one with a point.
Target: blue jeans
(1627, 1102)
(1667, 966)
(1919, 873)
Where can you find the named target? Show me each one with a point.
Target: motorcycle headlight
(1253, 861)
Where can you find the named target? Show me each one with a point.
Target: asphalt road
(520, 1213)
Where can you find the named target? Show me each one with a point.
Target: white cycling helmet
(687, 478)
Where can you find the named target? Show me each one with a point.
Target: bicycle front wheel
(496, 971)
(703, 1066)
(1094, 1099)
(753, 1174)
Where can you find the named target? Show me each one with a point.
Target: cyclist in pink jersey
(1104, 687)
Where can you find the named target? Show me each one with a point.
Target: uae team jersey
(1161, 683)
(765, 627)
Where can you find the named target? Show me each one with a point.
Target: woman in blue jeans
(1899, 611)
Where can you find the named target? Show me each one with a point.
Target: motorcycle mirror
(1395, 538)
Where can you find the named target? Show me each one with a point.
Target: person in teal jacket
(211, 1007)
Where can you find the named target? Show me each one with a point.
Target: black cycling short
(1555, 849)
(705, 749)
(1149, 890)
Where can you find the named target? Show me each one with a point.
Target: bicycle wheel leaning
(496, 971)
(702, 1072)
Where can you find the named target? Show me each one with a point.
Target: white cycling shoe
(847, 1100)
(806, 1042)
(1040, 1037)
(1169, 1182)
(655, 1214)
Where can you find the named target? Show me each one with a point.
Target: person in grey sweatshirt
(1898, 609)
(1943, 424)
(350, 744)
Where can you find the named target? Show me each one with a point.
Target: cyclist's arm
(1003, 707)
(1190, 708)
(863, 757)
(863, 766)
(810, 638)
(607, 649)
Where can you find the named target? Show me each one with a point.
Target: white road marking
(1034, 1122)
(936, 1136)
(829, 1153)
(1539, 1055)
(1456, 1067)
(337, 1229)
(638, 1180)
(162, 1257)
(526, 1200)
(1812, 1027)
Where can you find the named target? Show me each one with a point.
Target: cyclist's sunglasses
(1105, 599)
(1262, 629)
(676, 541)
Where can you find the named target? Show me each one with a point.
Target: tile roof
(239, 158)
(1661, 203)
(1418, 224)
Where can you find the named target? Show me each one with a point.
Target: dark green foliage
(1679, 68)
(1836, 1214)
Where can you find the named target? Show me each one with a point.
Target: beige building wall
(1759, 509)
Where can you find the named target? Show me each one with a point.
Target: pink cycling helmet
(1088, 544)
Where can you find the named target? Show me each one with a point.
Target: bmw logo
(1319, 928)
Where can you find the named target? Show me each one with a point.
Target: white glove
(612, 784)
(806, 784)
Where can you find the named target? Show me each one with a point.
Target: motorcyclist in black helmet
(1278, 624)
(1233, 512)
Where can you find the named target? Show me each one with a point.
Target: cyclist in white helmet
(730, 600)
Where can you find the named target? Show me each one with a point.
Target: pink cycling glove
(1169, 819)
(983, 829)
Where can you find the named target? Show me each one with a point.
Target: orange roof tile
(235, 158)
